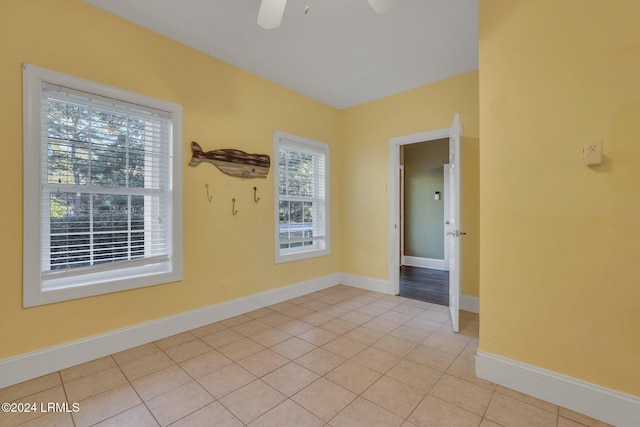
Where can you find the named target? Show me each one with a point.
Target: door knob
(456, 233)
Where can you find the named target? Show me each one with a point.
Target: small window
(301, 198)
(102, 176)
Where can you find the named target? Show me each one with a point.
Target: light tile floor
(338, 357)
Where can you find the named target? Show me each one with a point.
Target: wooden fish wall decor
(232, 162)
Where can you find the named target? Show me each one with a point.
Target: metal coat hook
(255, 199)
(210, 197)
(233, 207)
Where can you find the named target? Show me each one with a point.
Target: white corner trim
(27, 366)
(604, 404)
(368, 283)
(469, 303)
(414, 261)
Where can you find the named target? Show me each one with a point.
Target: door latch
(456, 233)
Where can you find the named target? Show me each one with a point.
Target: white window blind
(301, 193)
(106, 204)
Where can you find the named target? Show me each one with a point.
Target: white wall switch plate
(592, 153)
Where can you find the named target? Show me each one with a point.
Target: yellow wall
(226, 257)
(560, 247)
(366, 130)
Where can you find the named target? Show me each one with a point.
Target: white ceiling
(341, 53)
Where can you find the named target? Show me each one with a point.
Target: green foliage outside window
(89, 148)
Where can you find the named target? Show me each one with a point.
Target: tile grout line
(64, 390)
(339, 301)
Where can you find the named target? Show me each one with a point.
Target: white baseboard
(610, 406)
(469, 303)
(368, 283)
(41, 362)
(414, 261)
(27, 366)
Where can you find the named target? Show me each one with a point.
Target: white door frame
(394, 197)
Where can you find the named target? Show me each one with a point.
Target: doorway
(423, 195)
(452, 229)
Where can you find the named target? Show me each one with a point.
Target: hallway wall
(424, 216)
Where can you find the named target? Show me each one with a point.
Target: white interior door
(401, 190)
(454, 226)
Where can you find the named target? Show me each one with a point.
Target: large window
(301, 197)
(102, 175)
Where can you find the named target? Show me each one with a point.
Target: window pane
(109, 151)
(284, 211)
(70, 225)
(282, 165)
(308, 219)
(69, 210)
(136, 163)
(67, 163)
(137, 212)
(306, 176)
(295, 212)
(110, 212)
(137, 245)
(67, 121)
(70, 250)
(293, 174)
(110, 246)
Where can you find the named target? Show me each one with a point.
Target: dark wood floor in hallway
(425, 284)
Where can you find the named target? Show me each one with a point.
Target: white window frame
(40, 288)
(322, 246)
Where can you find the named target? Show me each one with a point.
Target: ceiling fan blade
(270, 13)
(381, 6)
